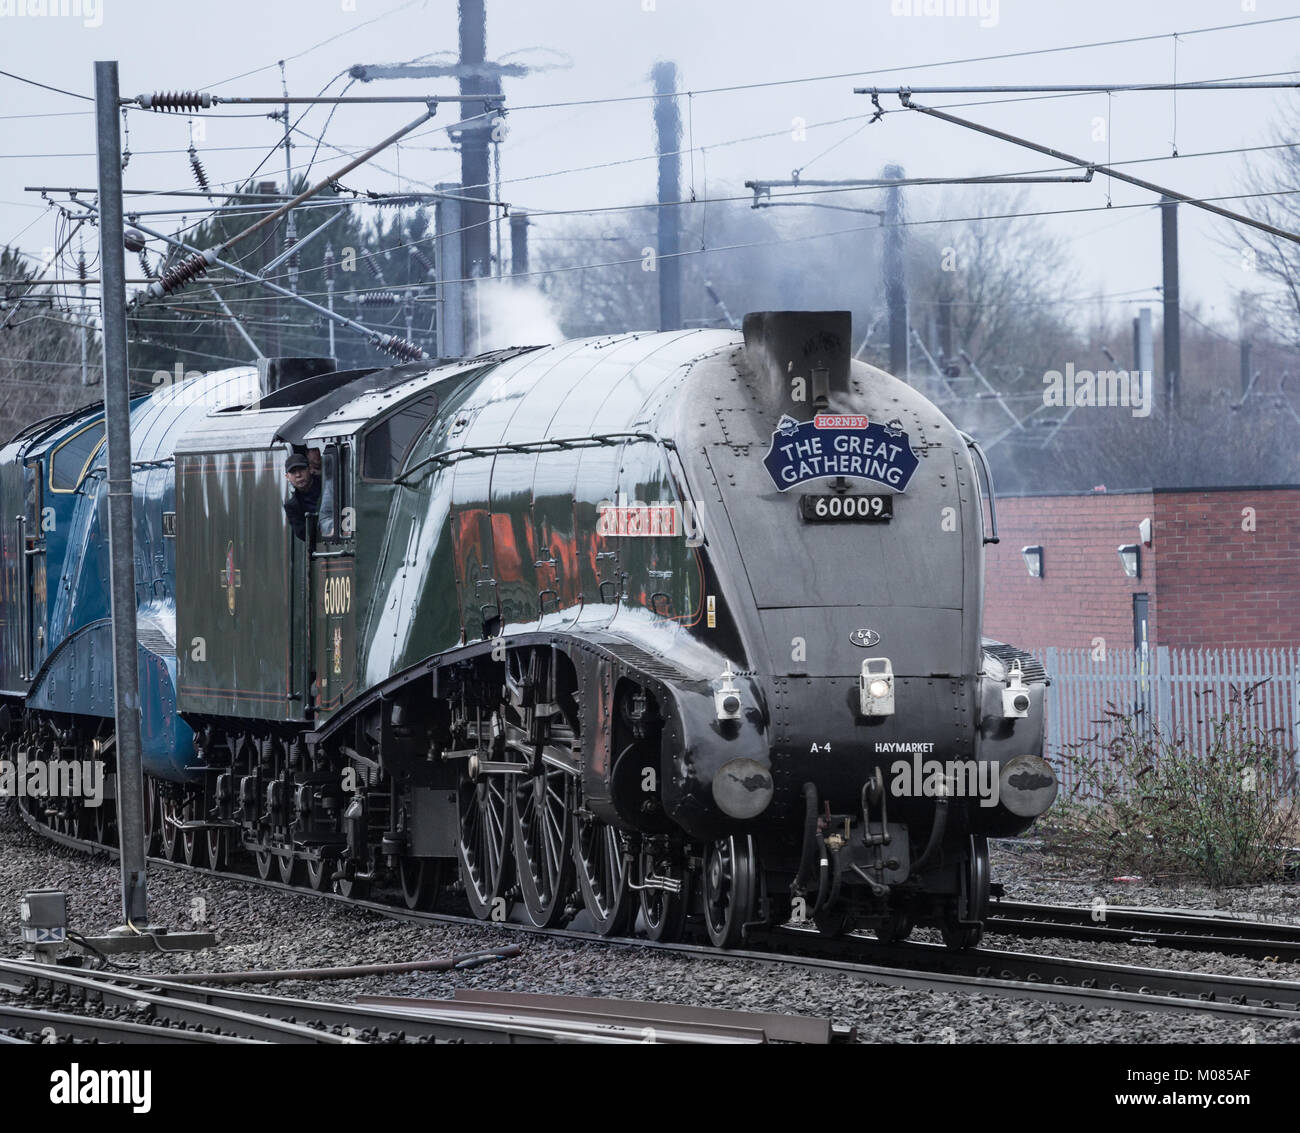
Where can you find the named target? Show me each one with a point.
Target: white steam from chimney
(515, 314)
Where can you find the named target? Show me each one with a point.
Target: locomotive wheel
(601, 858)
(319, 872)
(730, 888)
(421, 881)
(194, 843)
(218, 840)
(356, 888)
(152, 819)
(80, 823)
(663, 913)
(102, 825)
(895, 928)
(265, 863)
(288, 867)
(194, 848)
(542, 843)
(484, 848)
(957, 936)
(169, 835)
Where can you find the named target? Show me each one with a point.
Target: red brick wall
(1211, 584)
(1220, 585)
(1084, 593)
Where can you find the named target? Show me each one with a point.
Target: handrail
(973, 445)
(555, 444)
(27, 660)
(19, 522)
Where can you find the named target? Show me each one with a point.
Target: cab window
(69, 462)
(333, 524)
(386, 445)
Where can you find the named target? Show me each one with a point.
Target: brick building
(1216, 568)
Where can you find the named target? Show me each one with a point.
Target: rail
(911, 965)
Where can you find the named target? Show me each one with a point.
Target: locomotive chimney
(813, 345)
(276, 373)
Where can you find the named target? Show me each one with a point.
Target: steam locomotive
(679, 631)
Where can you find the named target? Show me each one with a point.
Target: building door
(1142, 655)
(1140, 639)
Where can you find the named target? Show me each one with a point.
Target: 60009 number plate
(846, 509)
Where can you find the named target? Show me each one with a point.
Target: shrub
(1216, 806)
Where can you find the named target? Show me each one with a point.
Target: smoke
(514, 314)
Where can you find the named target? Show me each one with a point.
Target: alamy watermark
(77, 1086)
(179, 387)
(920, 778)
(985, 11)
(626, 518)
(61, 778)
(1102, 388)
(89, 12)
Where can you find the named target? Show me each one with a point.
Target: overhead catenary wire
(1109, 170)
(318, 140)
(189, 101)
(764, 84)
(1079, 88)
(736, 87)
(329, 39)
(937, 221)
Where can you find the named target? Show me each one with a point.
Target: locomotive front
(846, 524)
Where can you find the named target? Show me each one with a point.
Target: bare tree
(1003, 279)
(40, 353)
(1275, 178)
(601, 277)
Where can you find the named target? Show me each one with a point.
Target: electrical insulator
(420, 258)
(200, 174)
(167, 101)
(173, 279)
(291, 246)
(398, 347)
(81, 266)
(126, 143)
(377, 299)
(329, 263)
(144, 265)
(372, 262)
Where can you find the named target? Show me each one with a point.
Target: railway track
(912, 964)
(187, 1012)
(1059, 978)
(1164, 928)
(34, 1025)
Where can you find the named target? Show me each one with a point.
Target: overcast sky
(603, 49)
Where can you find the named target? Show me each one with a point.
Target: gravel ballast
(260, 928)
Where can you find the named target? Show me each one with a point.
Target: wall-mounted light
(1033, 557)
(1130, 557)
(1144, 531)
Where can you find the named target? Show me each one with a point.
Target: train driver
(304, 500)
